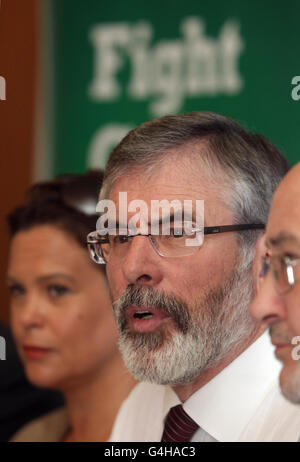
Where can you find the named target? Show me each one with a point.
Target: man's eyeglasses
(175, 244)
(285, 271)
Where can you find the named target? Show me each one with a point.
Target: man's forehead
(281, 238)
(182, 170)
(284, 220)
(165, 183)
(288, 193)
(282, 229)
(148, 189)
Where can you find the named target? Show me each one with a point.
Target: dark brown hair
(67, 202)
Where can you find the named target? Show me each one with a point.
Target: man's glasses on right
(285, 271)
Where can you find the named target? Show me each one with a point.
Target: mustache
(174, 307)
(279, 333)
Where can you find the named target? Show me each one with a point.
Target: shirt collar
(224, 406)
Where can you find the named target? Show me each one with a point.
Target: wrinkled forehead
(180, 180)
(149, 189)
(182, 171)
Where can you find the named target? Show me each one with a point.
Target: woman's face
(60, 308)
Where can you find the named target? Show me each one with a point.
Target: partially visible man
(278, 300)
(183, 312)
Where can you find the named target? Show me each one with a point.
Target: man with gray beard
(182, 309)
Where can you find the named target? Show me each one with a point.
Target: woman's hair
(67, 202)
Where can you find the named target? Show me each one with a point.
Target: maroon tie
(178, 426)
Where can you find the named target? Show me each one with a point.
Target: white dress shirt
(242, 403)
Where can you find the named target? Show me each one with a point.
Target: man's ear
(260, 252)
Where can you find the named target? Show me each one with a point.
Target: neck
(93, 404)
(185, 391)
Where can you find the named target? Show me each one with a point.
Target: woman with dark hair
(60, 311)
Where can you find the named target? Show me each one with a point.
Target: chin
(290, 382)
(41, 377)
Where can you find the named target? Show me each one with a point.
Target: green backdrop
(117, 64)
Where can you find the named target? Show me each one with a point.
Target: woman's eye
(57, 290)
(16, 290)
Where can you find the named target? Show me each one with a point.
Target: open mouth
(145, 319)
(143, 315)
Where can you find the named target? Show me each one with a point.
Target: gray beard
(203, 334)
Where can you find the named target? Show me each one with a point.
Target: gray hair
(252, 167)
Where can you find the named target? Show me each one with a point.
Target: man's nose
(142, 264)
(268, 306)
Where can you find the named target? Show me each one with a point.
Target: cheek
(203, 273)
(89, 328)
(294, 322)
(95, 343)
(71, 336)
(16, 325)
(116, 280)
(293, 312)
(72, 331)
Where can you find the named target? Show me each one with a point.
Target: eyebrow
(282, 238)
(171, 218)
(187, 215)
